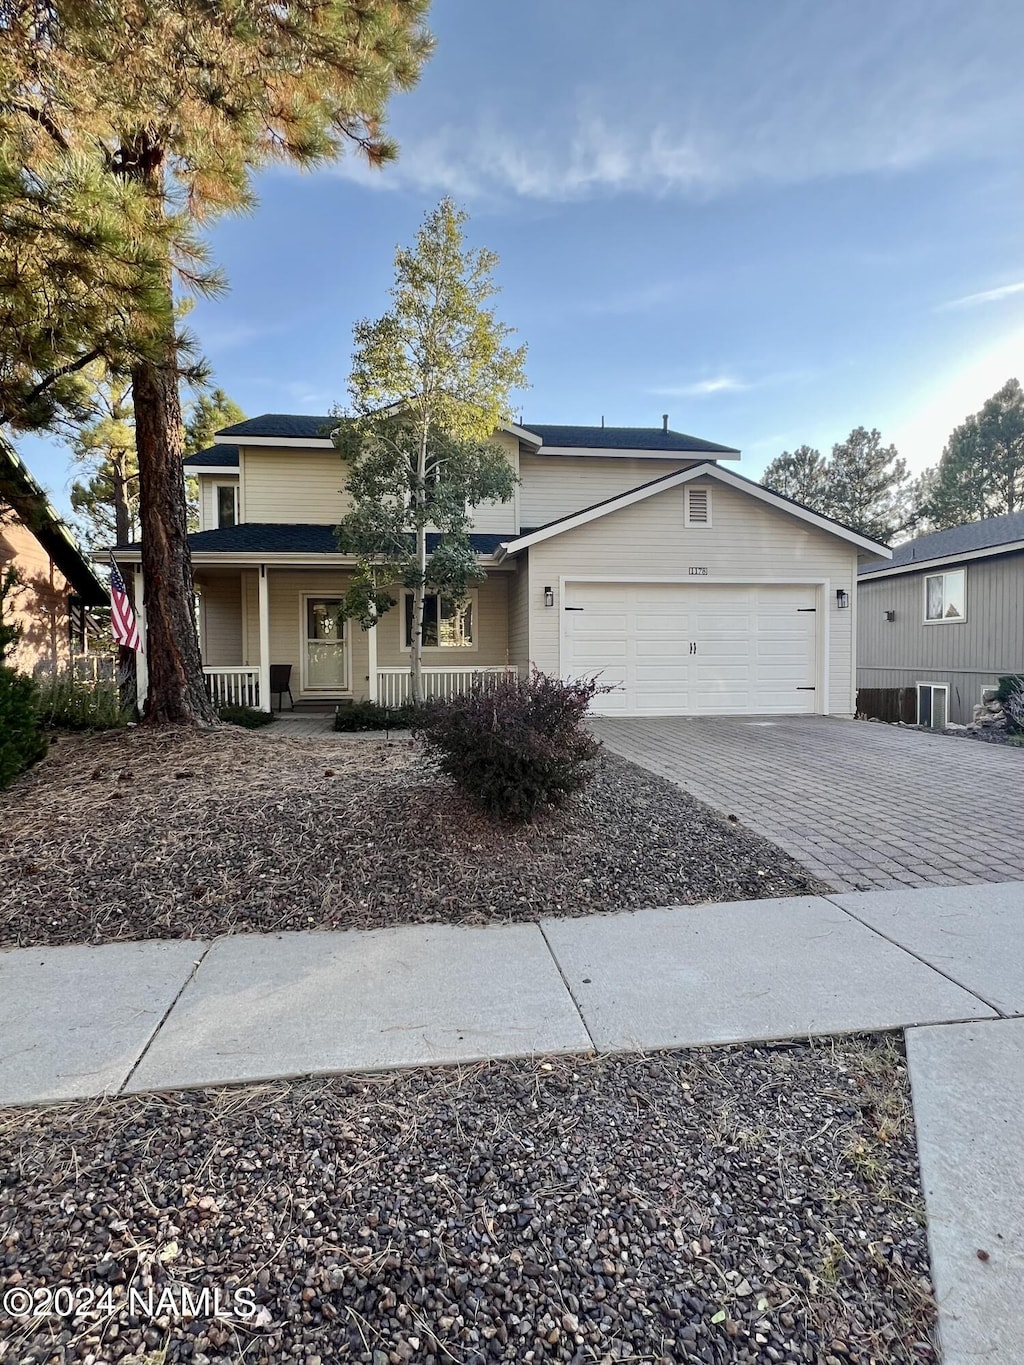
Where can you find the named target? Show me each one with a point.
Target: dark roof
(19, 489)
(290, 426)
(225, 457)
(282, 424)
(959, 540)
(285, 538)
(625, 438)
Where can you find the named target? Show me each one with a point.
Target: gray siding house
(945, 616)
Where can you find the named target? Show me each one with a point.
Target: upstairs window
(698, 506)
(446, 624)
(945, 597)
(227, 504)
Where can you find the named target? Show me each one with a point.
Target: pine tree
(863, 484)
(869, 486)
(106, 496)
(981, 472)
(209, 412)
(168, 106)
(431, 381)
(106, 499)
(801, 475)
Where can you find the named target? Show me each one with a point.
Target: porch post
(372, 689)
(264, 603)
(141, 660)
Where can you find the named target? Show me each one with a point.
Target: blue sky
(772, 221)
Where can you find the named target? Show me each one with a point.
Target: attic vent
(698, 507)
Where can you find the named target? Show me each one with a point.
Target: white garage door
(678, 649)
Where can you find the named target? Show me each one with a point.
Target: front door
(326, 664)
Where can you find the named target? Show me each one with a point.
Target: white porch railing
(393, 684)
(233, 686)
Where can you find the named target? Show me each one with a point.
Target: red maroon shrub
(515, 746)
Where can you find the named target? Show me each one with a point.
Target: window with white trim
(447, 623)
(227, 504)
(698, 507)
(945, 597)
(933, 705)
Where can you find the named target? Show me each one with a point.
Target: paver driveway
(862, 806)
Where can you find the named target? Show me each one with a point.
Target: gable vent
(698, 507)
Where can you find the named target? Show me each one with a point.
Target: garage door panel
(661, 673)
(754, 649)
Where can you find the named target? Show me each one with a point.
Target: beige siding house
(57, 588)
(946, 617)
(632, 553)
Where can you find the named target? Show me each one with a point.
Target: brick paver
(863, 806)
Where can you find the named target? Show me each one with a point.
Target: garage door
(679, 649)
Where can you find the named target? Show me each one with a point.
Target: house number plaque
(698, 571)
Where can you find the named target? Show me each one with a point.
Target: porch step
(323, 706)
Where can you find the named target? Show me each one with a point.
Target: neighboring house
(945, 616)
(58, 587)
(628, 552)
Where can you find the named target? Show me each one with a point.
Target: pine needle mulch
(144, 834)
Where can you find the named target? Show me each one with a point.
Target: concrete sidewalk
(80, 1022)
(943, 963)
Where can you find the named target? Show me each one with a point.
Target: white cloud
(701, 388)
(1005, 291)
(801, 94)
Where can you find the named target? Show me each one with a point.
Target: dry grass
(178, 834)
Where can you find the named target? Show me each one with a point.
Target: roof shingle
(223, 457)
(291, 426)
(959, 540)
(287, 538)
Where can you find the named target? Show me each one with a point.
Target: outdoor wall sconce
(842, 598)
(549, 597)
(890, 616)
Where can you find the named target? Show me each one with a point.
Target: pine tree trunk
(177, 690)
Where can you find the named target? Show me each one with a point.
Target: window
(932, 705)
(446, 624)
(227, 504)
(698, 507)
(945, 596)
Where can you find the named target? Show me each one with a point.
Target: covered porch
(254, 617)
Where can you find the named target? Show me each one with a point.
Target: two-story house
(633, 553)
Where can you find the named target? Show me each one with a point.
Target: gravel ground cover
(743, 1204)
(174, 834)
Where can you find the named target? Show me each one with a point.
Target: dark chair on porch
(280, 682)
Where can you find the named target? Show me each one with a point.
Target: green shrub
(21, 740)
(69, 703)
(516, 746)
(1011, 682)
(247, 716)
(371, 715)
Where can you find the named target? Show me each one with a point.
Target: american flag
(123, 625)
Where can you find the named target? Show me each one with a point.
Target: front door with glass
(326, 664)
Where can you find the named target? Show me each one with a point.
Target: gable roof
(301, 430)
(213, 457)
(705, 469)
(19, 489)
(994, 535)
(660, 439)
